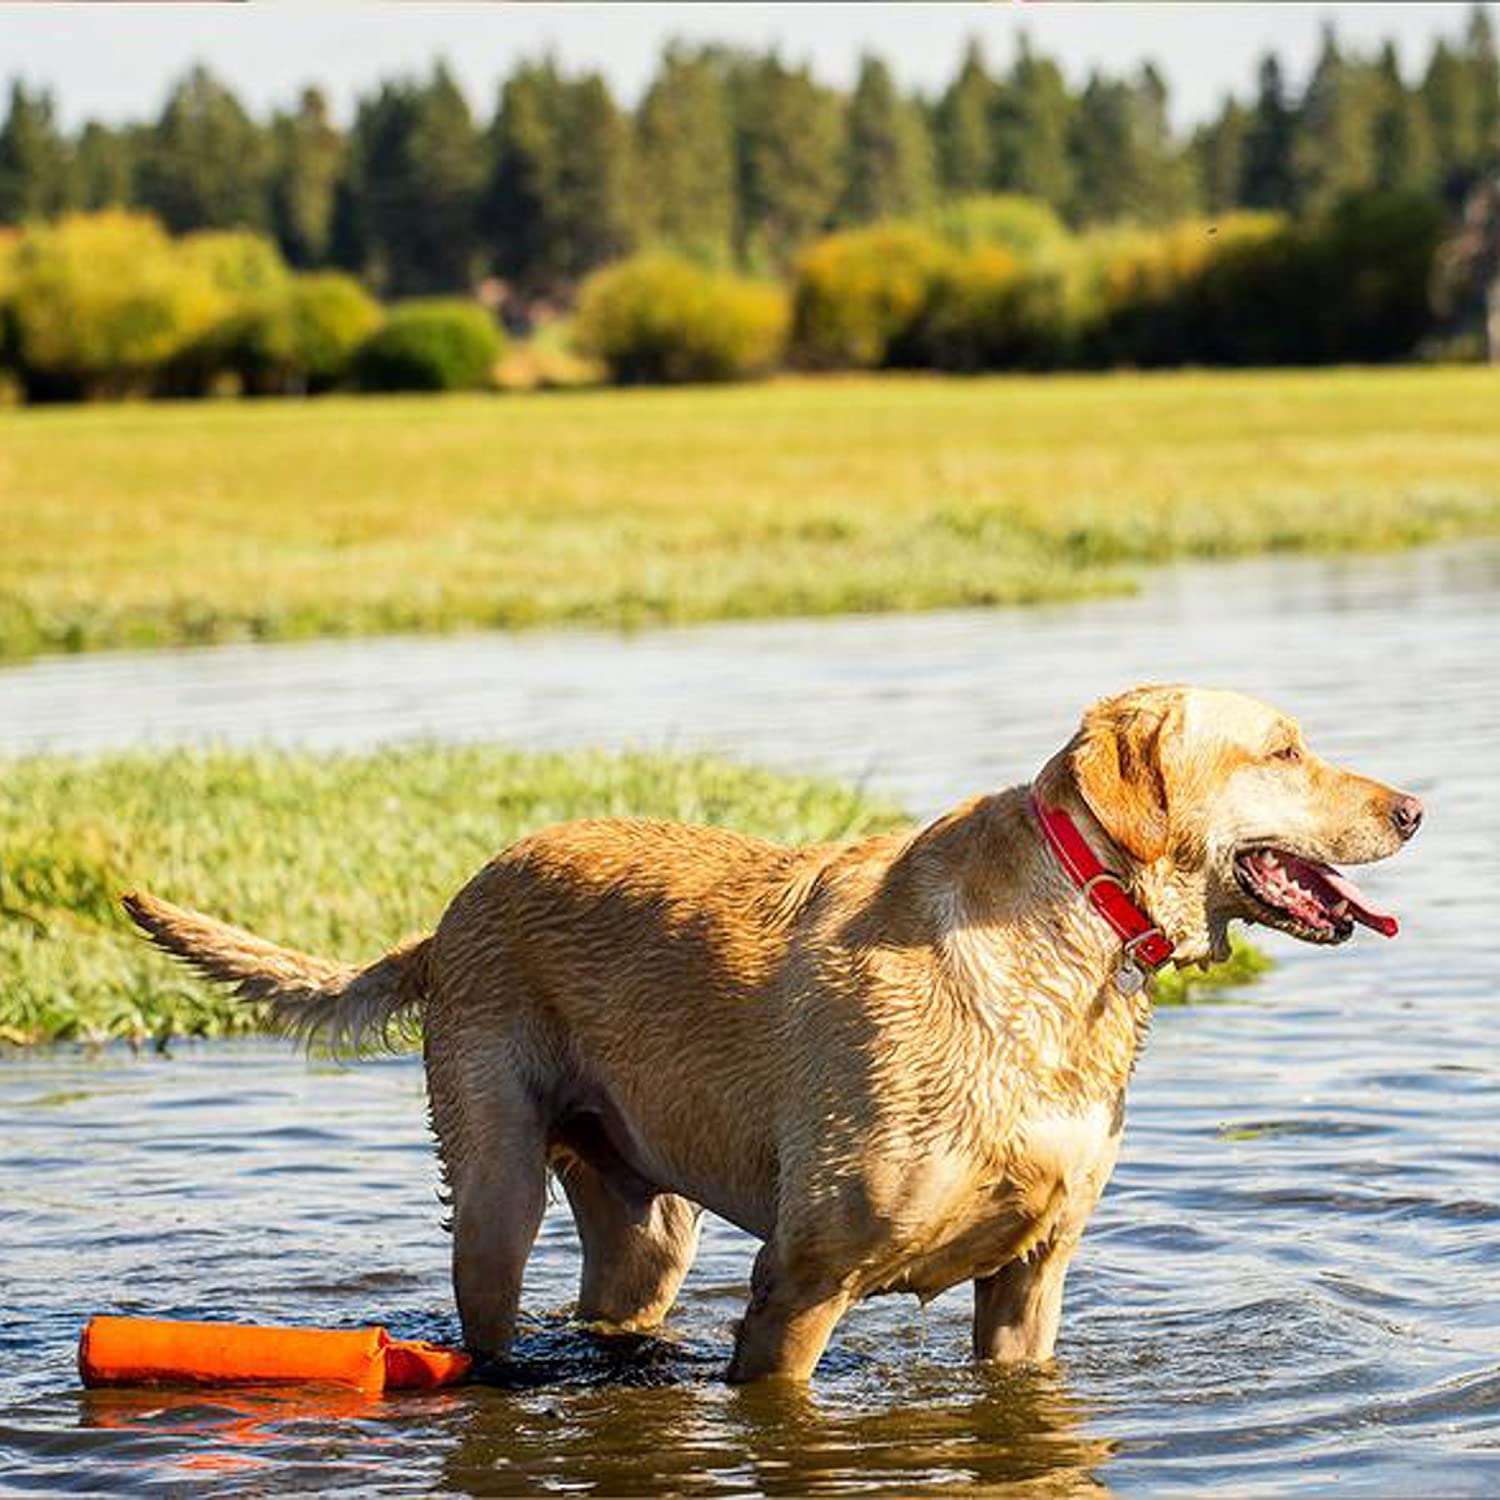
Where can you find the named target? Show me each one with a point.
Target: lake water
(1291, 1283)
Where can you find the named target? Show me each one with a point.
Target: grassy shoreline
(172, 524)
(341, 854)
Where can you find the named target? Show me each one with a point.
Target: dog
(899, 1063)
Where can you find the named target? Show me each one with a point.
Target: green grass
(144, 525)
(339, 854)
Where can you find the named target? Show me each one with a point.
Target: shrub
(243, 265)
(10, 249)
(986, 311)
(1026, 226)
(859, 295)
(1352, 285)
(254, 281)
(432, 344)
(658, 319)
(102, 302)
(303, 341)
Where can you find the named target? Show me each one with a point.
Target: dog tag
(1129, 978)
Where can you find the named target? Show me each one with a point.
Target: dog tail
(339, 1006)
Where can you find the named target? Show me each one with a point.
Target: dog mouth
(1305, 898)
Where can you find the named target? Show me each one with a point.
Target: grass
(151, 525)
(339, 854)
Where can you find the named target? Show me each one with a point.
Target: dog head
(1224, 812)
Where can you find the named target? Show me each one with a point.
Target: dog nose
(1406, 814)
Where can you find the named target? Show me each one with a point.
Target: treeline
(737, 160)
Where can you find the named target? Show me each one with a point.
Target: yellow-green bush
(327, 316)
(430, 344)
(658, 319)
(102, 302)
(10, 245)
(300, 339)
(859, 295)
(989, 311)
(1026, 226)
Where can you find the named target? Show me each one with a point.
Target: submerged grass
(148, 525)
(338, 854)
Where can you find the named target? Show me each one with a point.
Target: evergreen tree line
(735, 159)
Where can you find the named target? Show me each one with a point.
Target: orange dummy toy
(157, 1351)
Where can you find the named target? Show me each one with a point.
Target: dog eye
(1287, 752)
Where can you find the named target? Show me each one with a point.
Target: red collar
(1146, 946)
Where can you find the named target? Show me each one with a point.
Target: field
(339, 854)
(147, 525)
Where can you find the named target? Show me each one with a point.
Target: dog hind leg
(492, 1140)
(637, 1247)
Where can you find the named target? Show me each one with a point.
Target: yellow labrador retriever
(900, 1063)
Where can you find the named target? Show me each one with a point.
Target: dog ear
(1115, 760)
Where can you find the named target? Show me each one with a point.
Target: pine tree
(1405, 158)
(1483, 62)
(447, 169)
(1267, 179)
(888, 172)
(204, 164)
(561, 198)
(410, 194)
(308, 153)
(520, 210)
(1127, 165)
(1033, 115)
(35, 178)
(788, 151)
(687, 157)
(104, 167)
(962, 128)
(598, 182)
(1220, 150)
(1333, 150)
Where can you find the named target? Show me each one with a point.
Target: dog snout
(1406, 815)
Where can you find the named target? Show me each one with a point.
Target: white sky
(115, 62)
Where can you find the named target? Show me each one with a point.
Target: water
(1289, 1285)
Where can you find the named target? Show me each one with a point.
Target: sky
(115, 62)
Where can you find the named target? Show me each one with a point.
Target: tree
(889, 152)
(560, 199)
(1033, 114)
(1220, 150)
(1333, 152)
(1405, 159)
(788, 151)
(962, 128)
(204, 165)
(411, 191)
(308, 160)
(521, 209)
(597, 181)
(1267, 168)
(104, 167)
(34, 169)
(1483, 62)
(1127, 165)
(687, 157)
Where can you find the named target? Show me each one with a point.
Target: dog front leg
(787, 1324)
(1016, 1311)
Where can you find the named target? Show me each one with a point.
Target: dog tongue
(1359, 907)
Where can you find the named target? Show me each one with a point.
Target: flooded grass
(151, 525)
(338, 854)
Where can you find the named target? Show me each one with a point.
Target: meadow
(338, 854)
(136, 525)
